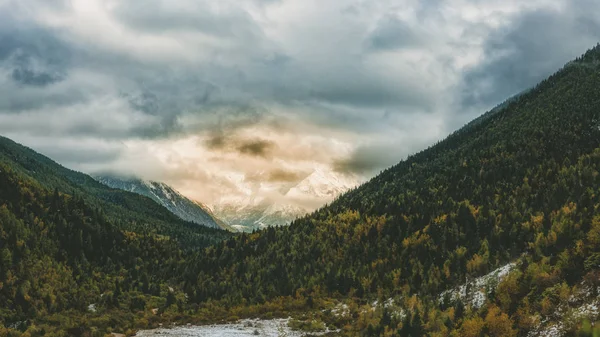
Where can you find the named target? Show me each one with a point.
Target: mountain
(168, 197)
(521, 186)
(78, 258)
(132, 211)
(323, 184)
(254, 211)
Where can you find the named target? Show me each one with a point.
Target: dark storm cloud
(392, 33)
(38, 79)
(280, 175)
(38, 57)
(160, 16)
(363, 92)
(368, 160)
(277, 175)
(170, 94)
(32, 55)
(256, 148)
(265, 76)
(163, 69)
(535, 45)
(147, 102)
(33, 60)
(239, 92)
(216, 142)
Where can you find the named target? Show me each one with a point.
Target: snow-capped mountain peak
(259, 209)
(168, 197)
(323, 184)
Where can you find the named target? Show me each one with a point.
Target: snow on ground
(556, 330)
(583, 304)
(566, 317)
(243, 328)
(387, 304)
(341, 310)
(478, 287)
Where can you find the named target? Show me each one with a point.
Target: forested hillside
(80, 258)
(133, 211)
(523, 183)
(59, 254)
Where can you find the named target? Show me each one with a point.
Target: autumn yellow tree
(472, 327)
(498, 324)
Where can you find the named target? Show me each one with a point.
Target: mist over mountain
(168, 197)
(192, 92)
(255, 209)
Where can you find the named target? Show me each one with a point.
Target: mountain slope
(523, 180)
(58, 254)
(168, 197)
(133, 211)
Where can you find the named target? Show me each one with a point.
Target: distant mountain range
(246, 213)
(253, 211)
(168, 197)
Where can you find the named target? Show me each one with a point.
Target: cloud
(369, 159)
(31, 77)
(216, 142)
(218, 20)
(280, 175)
(210, 96)
(366, 160)
(75, 152)
(284, 176)
(392, 33)
(257, 147)
(254, 147)
(535, 44)
(32, 55)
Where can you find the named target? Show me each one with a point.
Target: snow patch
(341, 310)
(242, 328)
(581, 305)
(475, 291)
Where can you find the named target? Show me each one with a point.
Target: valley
(493, 231)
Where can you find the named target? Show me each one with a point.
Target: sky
(205, 95)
